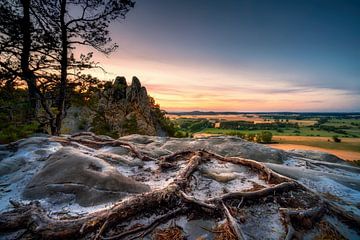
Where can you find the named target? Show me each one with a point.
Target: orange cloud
(186, 87)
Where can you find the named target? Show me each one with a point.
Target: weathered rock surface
(91, 180)
(317, 155)
(128, 109)
(174, 183)
(225, 146)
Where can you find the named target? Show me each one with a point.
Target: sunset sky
(241, 55)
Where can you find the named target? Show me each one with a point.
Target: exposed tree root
(192, 199)
(98, 142)
(285, 186)
(234, 225)
(304, 218)
(174, 197)
(145, 229)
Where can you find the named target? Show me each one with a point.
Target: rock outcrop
(128, 109)
(200, 188)
(91, 180)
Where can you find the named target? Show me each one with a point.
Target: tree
(264, 137)
(43, 46)
(86, 24)
(336, 139)
(27, 52)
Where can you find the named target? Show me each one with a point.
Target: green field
(302, 131)
(347, 144)
(313, 130)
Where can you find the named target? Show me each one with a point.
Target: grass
(351, 144)
(302, 131)
(306, 137)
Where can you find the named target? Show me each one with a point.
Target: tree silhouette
(37, 39)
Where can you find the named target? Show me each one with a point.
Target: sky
(234, 55)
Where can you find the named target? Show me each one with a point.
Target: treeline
(262, 137)
(193, 125)
(245, 125)
(185, 127)
(38, 42)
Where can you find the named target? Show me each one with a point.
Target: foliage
(264, 137)
(192, 125)
(336, 139)
(246, 125)
(131, 125)
(164, 122)
(14, 123)
(101, 127)
(13, 132)
(36, 38)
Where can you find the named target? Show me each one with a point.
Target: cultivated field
(290, 131)
(346, 155)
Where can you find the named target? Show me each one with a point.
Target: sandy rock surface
(92, 180)
(84, 174)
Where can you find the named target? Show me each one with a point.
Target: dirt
(346, 155)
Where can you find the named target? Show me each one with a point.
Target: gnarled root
(173, 197)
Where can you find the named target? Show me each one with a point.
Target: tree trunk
(64, 65)
(27, 74)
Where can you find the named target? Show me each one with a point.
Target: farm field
(348, 148)
(289, 131)
(344, 154)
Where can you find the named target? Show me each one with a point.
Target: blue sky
(242, 55)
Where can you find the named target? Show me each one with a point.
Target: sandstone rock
(119, 88)
(121, 109)
(91, 180)
(226, 146)
(317, 155)
(127, 108)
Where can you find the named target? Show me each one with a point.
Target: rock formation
(128, 109)
(91, 180)
(169, 188)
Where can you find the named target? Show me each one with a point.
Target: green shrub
(336, 139)
(264, 137)
(13, 132)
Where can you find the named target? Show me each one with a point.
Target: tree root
(285, 186)
(301, 217)
(101, 142)
(234, 225)
(145, 229)
(195, 201)
(34, 219)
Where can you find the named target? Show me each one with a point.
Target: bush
(336, 139)
(181, 134)
(264, 137)
(14, 132)
(250, 137)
